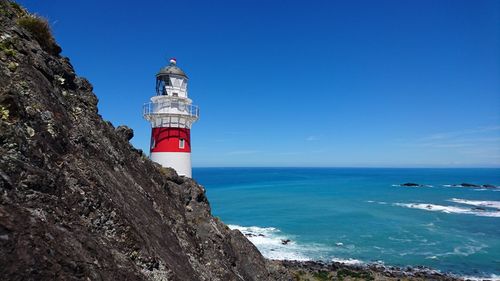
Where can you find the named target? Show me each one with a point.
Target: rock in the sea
(411, 184)
(285, 241)
(468, 185)
(489, 186)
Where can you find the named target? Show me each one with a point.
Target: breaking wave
(450, 209)
(274, 244)
(478, 203)
(269, 241)
(348, 261)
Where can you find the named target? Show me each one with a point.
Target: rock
(125, 132)
(311, 270)
(411, 184)
(469, 185)
(488, 186)
(285, 241)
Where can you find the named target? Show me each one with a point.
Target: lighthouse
(171, 114)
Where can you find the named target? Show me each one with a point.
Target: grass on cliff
(314, 276)
(8, 48)
(39, 27)
(18, 9)
(340, 275)
(346, 273)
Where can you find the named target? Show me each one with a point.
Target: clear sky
(301, 83)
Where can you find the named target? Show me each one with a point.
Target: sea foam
(449, 209)
(269, 241)
(478, 203)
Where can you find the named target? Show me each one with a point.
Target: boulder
(124, 132)
(411, 184)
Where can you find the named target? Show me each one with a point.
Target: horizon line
(347, 167)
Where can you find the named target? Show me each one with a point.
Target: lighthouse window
(181, 143)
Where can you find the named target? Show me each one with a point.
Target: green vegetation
(4, 113)
(40, 29)
(298, 275)
(322, 276)
(12, 66)
(342, 273)
(7, 47)
(316, 276)
(18, 9)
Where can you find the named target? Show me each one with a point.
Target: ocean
(363, 215)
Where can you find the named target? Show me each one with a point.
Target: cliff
(77, 201)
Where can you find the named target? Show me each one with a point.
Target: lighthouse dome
(171, 69)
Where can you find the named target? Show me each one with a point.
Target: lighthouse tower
(171, 115)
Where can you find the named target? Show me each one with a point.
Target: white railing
(151, 109)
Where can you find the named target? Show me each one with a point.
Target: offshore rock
(78, 202)
(411, 184)
(465, 184)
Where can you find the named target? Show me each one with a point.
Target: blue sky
(301, 83)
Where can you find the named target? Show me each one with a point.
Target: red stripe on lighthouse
(170, 140)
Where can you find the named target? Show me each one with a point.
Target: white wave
(492, 277)
(449, 209)
(378, 202)
(347, 261)
(269, 241)
(399, 239)
(468, 250)
(479, 203)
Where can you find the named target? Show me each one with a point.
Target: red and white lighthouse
(171, 115)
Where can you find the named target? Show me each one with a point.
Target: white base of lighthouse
(179, 161)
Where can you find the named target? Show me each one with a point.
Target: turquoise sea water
(362, 215)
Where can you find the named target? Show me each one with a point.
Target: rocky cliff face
(77, 201)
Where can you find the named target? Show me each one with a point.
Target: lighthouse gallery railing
(171, 108)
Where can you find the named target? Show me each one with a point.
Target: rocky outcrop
(465, 184)
(78, 202)
(411, 184)
(317, 270)
(473, 185)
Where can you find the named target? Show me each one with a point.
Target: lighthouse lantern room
(171, 114)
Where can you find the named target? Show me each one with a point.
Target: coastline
(309, 214)
(319, 270)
